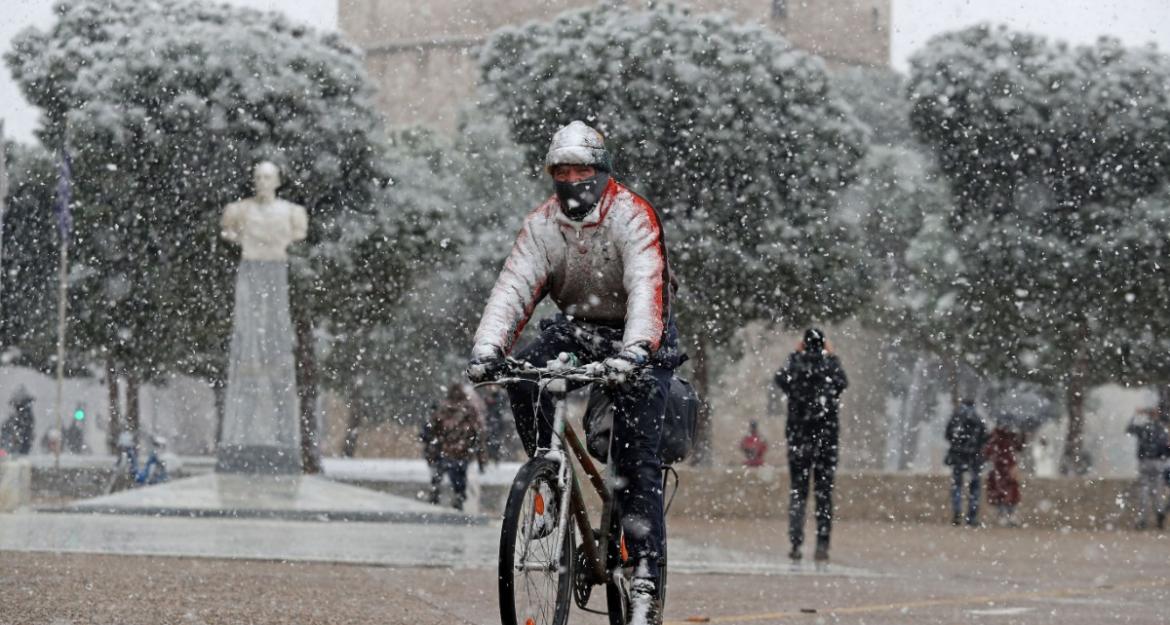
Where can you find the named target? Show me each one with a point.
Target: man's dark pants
(957, 472)
(456, 471)
(812, 453)
(637, 435)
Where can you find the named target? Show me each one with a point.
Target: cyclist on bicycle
(597, 248)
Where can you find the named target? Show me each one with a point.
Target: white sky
(1135, 22)
(20, 118)
(914, 21)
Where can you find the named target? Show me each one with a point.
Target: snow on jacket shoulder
(608, 268)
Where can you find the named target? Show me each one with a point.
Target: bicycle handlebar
(521, 371)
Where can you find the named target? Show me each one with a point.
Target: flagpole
(62, 304)
(64, 228)
(3, 209)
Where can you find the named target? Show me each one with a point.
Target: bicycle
(549, 563)
(127, 473)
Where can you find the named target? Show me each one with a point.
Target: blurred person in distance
(966, 435)
(753, 446)
(1003, 481)
(1152, 431)
(453, 436)
(17, 432)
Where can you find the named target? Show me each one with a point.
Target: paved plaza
(63, 569)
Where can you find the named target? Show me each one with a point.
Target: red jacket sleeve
(645, 278)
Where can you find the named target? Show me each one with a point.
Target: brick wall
(421, 55)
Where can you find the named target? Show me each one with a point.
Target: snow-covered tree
(1002, 108)
(409, 331)
(165, 107)
(903, 204)
(736, 136)
(877, 96)
(28, 268)
(1049, 151)
(903, 197)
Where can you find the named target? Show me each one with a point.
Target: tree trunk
(307, 393)
(916, 409)
(702, 451)
(132, 414)
(115, 410)
(219, 390)
(353, 422)
(1073, 460)
(954, 377)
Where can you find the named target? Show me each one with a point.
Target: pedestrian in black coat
(813, 380)
(17, 432)
(967, 435)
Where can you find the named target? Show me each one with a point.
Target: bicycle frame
(572, 498)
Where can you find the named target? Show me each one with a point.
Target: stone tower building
(421, 54)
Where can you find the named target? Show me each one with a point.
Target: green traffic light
(79, 415)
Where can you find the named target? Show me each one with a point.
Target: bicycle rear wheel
(535, 575)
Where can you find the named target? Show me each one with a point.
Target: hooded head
(814, 341)
(455, 392)
(21, 396)
(580, 165)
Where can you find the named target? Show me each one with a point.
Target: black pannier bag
(678, 427)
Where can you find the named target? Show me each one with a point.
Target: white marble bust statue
(264, 225)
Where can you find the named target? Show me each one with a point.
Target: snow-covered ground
(404, 470)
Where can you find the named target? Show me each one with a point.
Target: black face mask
(578, 198)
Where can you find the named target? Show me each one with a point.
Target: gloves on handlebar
(486, 367)
(631, 358)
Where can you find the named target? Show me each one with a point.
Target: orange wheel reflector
(530, 621)
(625, 552)
(538, 505)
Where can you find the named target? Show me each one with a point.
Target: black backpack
(678, 426)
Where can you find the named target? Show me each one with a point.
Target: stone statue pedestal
(261, 425)
(258, 459)
(283, 497)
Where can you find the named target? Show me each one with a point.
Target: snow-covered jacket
(608, 268)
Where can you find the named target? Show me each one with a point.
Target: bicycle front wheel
(535, 576)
